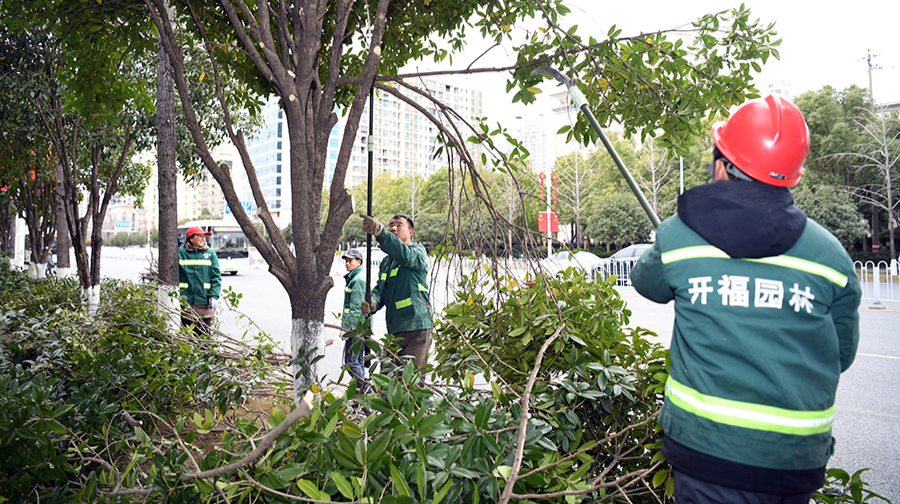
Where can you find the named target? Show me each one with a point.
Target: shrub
(69, 384)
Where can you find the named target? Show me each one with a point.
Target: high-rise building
(205, 196)
(405, 139)
(269, 149)
(534, 133)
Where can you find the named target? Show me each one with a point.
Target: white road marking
(879, 356)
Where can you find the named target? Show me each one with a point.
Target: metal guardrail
(879, 281)
(621, 268)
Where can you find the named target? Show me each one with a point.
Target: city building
(269, 149)
(405, 139)
(204, 196)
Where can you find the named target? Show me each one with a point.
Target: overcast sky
(823, 43)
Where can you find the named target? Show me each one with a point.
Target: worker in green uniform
(765, 319)
(199, 280)
(402, 287)
(354, 294)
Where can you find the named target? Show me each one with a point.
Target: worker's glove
(368, 307)
(212, 303)
(371, 225)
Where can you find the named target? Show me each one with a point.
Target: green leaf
(399, 481)
(309, 488)
(290, 472)
(439, 496)
(518, 331)
(342, 484)
(660, 477)
(378, 445)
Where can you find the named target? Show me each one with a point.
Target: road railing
(879, 280)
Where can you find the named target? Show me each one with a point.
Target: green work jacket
(354, 293)
(199, 276)
(402, 286)
(758, 344)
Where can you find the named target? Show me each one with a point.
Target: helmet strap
(732, 170)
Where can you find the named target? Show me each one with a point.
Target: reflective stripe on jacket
(758, 344)
(199, 276)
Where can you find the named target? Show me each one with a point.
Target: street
(867, 408)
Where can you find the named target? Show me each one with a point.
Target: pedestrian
(765, 319)
(354, 295)
(199, 280)
(402, 286)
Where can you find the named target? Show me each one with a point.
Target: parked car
(583, 261)
(620, 263)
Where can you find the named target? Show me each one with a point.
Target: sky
(821, 46)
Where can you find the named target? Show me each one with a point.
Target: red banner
(542, 222)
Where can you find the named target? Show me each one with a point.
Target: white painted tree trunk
(91, 297)
(306, 335)
(37, 270)
(65, 272)
(167, 297)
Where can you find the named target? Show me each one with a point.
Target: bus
(227, 239)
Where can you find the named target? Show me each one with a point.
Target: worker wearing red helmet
(765, 319)
(199, 280)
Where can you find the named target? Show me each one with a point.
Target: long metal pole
(371, 147)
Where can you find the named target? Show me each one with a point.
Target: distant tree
(618, 219)
(88, 78)
(431, 229)
(27, 160)
(834, 210)
(876, 156)
(577, 179)
(829, 114)
(655, 173)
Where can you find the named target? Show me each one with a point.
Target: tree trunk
(93, 292)
(876, 228)
(307, 335)
(167, 223)
(307, 332)
(63, 241)
(7, 229)
(168, 175)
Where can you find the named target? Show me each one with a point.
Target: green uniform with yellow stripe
(199, 276)
(402, 287)
(759, 342)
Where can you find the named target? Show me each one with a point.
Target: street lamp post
(549, 219)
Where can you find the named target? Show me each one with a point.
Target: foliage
(618, 219)
(841, 486)
(126, 240)
(116, 409)
(834, 210)
(828, 114)
(597, 378)
(70, 384)
(87, 81)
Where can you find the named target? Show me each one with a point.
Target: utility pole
(869, 57)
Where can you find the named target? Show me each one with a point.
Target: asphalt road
(867, 422)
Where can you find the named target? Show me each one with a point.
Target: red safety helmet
(767, 139)
(196, 231)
